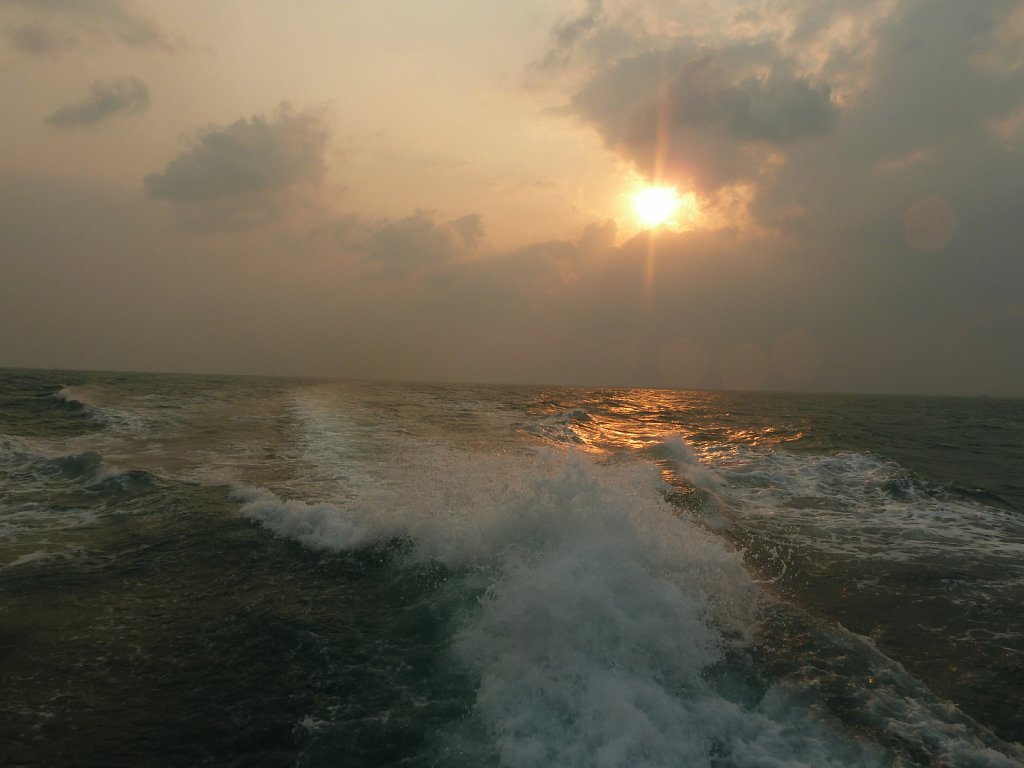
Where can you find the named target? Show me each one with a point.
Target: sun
(655, 206)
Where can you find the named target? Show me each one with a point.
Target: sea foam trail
(860, 506)
(921, 541)
(600, 613)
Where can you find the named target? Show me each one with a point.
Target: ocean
(226, 571)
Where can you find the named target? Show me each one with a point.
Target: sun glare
(655, 206)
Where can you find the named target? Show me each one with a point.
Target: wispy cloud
(53, 27)
(126, 95)
(415, 245)
(40, 39)
(567, 35)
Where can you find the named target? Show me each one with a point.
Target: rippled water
(232, 571)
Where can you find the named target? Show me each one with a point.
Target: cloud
(57, 26)
(416, 244)
(599, 33)
(567, 34)
(919, 128)
(873, 147)
(129, 95)
(417, 297)
(706, 117)
(824, 121)
(40, 40)
(241, 174)
(661, 310)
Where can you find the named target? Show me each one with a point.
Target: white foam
(858, 505)
(910, 716)
(689, 466)
(337, 441)
(562, 428)
(99, 403)
(30, 557)
(601, 610)
(11, 449)
(319, 526)
(78, 395)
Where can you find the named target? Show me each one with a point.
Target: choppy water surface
(228, 571)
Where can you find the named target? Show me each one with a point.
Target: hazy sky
(443, 190)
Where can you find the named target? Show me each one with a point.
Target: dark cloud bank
(692, 115)
(417, 298)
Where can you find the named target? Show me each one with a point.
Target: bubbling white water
(860, 506)
(601, 611)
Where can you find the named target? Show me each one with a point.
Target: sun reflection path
(638, 420)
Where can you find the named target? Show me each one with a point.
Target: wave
(90, 472)
(598, 619)
(861, 540)
(80, 396)
(863, 506)
(563, 428)
(47, 495)
(30, 557)
(864, 517)
(687, 463)
(75, 465)
(96, 404)
(319, 526)
(11, 450)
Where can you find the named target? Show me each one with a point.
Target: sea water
(238, 571)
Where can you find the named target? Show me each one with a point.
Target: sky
(445, 191)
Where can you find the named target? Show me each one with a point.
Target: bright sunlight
(655, 206)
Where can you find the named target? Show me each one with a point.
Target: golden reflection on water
(640, 419)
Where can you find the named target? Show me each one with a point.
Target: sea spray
(601, 611)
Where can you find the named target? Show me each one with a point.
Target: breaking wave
(600, 613)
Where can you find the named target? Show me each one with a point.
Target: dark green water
(230, 571)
